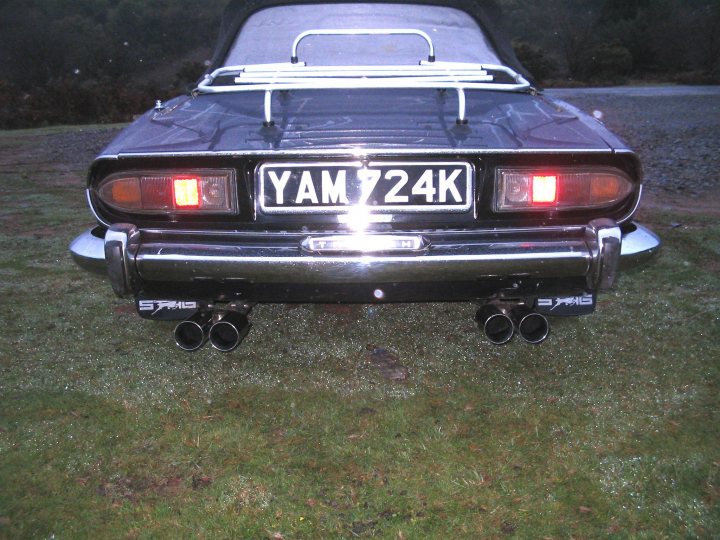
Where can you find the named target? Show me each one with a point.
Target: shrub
(610, 62)
(535, 60)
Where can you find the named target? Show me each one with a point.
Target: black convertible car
(363, 152)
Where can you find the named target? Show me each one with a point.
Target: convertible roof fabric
(268, 35)
(486, 13)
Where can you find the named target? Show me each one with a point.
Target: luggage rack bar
(363, 32)
(296, 75)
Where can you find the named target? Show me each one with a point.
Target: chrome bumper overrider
(128, 260)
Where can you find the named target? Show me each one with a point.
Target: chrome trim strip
(472, 233)
(100, 220)
(636, 205)
(359, 153)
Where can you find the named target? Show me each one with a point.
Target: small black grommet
(431, 58)
(293, 59)
(461, 121)
(271, 123)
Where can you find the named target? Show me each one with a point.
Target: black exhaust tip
(229, 331)
(496, 324)
(192, 333)
(533, 327)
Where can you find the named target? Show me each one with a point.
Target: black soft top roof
(487, 13)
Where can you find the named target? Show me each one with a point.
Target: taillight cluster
(564, 188)
(195, 191)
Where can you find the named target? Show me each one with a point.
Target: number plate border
(345, 209)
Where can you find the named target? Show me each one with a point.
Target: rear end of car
(390, 182)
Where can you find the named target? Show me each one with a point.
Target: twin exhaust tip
(192, 333)
(500, 324)
(229, 331)
(225, 334)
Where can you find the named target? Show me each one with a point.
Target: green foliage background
(86, 61)
(607, 41)
(83, 61)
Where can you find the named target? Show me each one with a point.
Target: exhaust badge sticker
(565, 306)
(166, 310)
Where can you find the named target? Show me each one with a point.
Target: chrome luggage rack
(297, 75)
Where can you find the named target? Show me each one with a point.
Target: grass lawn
(107, 430)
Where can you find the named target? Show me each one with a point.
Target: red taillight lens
(186, 192)
(544, 189)
(207, 191)
(563, 188)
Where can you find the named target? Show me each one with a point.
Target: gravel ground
(676, 131)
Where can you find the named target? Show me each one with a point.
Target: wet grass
(611, 427)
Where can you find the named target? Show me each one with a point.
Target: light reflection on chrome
(358, 216)
(363, 243)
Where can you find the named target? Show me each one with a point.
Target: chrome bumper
(597, 256)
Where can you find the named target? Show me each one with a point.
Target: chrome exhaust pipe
(532, 326)
(496, 324)
(229, 331)
(192, 333)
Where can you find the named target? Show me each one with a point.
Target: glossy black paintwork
(318, 121)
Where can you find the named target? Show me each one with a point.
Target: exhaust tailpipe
(496, 324)
(229, 331)
(533, 327)
(192, 333)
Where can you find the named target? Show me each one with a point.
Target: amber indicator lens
(170, 192)
(126, 191)
(605, 186)
(562, 188)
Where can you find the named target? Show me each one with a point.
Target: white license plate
(379, 186)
